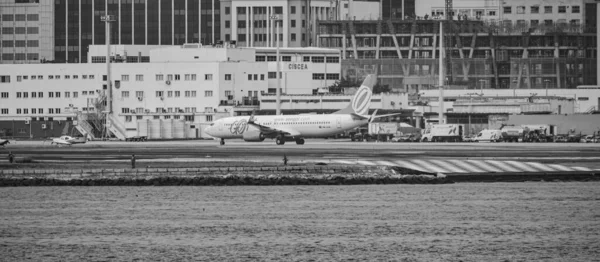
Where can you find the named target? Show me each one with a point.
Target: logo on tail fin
(362, 99)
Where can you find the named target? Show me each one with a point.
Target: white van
(489, 135)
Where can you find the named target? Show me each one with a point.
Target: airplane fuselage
(304, 125)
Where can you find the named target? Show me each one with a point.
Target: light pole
(275, 18)
(546, 81)
(107, 19)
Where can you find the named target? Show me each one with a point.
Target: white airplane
(3, 142)
(296, 127)
(68, 140)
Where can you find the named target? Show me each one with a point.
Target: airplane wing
(266, 130)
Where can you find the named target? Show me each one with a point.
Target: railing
(590, 110)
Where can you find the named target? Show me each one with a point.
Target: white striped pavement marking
(466, 166)
(431, 167)
(581, 168)
(561, 167)
(503, 166)
(521, 166)
(409, 165)
(484, 166)
(541, 166)
(449, 166)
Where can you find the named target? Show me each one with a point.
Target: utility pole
(275, 18)
(108, 19)
(441, 77)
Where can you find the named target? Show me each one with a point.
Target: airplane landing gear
(279, 141)
(222, 142)
(300, 141)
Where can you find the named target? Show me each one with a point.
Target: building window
(124, 94)
(139, 77)
(507, 9)
(25, 95)
(169, 93)
(57, 94)
(169, 77)
(534, 23)
(227, 10)
(249, 77)
(5, 111)
(293, 23)
(40, 110)
(124, 78)
(303, 9)
(548, 9)
(50, 94)
(293, 38)
(4, 95)
(193, 93)
(25, 110)
(332, 60)
(562, 9)
(187, 93)
(33, 111)
(262, 76)
(208, 77)
(67, 94)
(575, 9)
(535, 9)
(18, 111)
(19, 95)
(241, 24)
(75, 95)
(227, 24)
(333, 76)
(292, 9)
(177, 77)
(271, 58)
(159, 77)
(128, 118)
(177, 93)
(139, 93)
(50, 110)
(318, 59)
(40, 94)
(209, 118)
(241, 10)
(272, 75)
(159, 93)
(520, 9)
(228, 77)
(208, 93)
(318, 76)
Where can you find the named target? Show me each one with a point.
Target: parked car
(590, 139)
(560, 139)
(469, 138)
(411, 137)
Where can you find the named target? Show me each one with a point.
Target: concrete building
(398, 9)
(358, 10)
(26, 31)
(64, 29)
(191, 85)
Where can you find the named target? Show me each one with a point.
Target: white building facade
(189, 83)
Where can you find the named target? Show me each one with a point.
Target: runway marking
(449, 166)
(521, 166)
(468, 166)
(483, 166)
(502, 165)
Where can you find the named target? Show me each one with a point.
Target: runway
(431, 157)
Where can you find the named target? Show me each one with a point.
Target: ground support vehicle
(512, 133)
(443, 133)
(489, 135)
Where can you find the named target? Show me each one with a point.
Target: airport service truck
(443, 133)
(512, 133)
(489, 135)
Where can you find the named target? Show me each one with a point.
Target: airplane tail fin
(361, 101)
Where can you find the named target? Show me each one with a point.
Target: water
(468, 222)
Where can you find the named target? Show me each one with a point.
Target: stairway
(116, 127)
(84, 127)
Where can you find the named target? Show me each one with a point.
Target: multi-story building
(64, 29)
(398, 9)
(26, 31)
(253, 24)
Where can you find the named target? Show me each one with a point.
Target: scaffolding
(480, 55)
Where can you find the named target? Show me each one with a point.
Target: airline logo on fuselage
(238, 127)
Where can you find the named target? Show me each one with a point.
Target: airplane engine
(253, 135)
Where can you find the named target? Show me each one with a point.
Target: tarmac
(436, 158)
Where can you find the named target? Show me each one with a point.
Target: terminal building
(180, 88)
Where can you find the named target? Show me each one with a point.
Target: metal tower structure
(448, 30)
